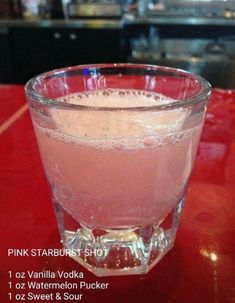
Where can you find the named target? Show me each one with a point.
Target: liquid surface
(117, 98)
(117, 124)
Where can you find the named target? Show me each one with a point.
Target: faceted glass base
(118, 252)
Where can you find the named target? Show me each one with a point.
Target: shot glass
(118, 144)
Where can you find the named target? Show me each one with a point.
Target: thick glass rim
(31, 93)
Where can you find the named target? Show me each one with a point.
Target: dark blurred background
(196, 35)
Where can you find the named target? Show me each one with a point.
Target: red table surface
(200, 267)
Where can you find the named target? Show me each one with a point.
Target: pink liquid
(112, 169)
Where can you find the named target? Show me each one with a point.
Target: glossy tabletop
(200, 267)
